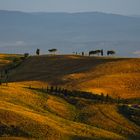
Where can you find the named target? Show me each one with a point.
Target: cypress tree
(52, 89)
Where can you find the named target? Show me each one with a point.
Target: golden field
(29, 114)
(115, 76)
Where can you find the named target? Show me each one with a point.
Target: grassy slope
(35, 114)
(41, 115)
(116, 76)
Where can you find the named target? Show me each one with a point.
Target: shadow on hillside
(53, 69)
(12, 131)
(83, 138)
(130, 113)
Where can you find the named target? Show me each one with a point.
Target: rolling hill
(115, 76)
(26, 113)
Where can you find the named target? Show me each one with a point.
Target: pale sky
(125, 7)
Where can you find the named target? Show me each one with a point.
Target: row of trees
(4, 72)
(94, 52)
(4, 76)
(71, 94)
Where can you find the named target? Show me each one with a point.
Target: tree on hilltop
(53, 51)
(111, 52)
(38, 51)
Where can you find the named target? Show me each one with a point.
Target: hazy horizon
(69, 33)
(21, 32)
(122, 7)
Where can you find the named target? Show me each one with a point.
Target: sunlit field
(29, 111)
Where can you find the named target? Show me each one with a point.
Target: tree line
(93, 52)
(68, 94)
(4, 72)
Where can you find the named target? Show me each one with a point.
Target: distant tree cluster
(101, 52)
(96, 52)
